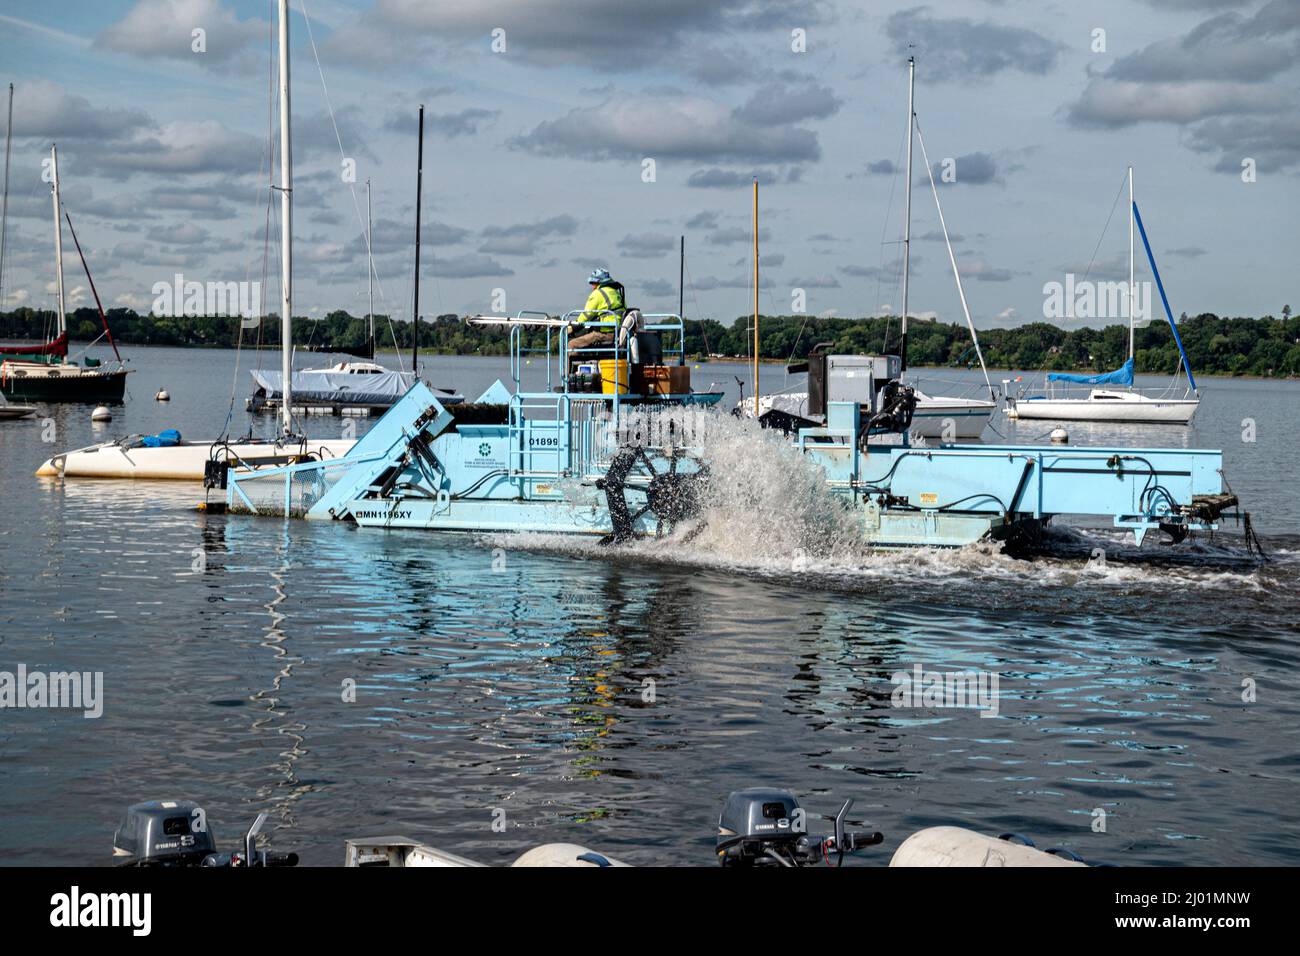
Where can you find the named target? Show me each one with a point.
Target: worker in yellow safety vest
(606, 297)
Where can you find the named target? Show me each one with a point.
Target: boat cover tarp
(380, 388)
(167, 438)
(1121, 376)
(57, 346)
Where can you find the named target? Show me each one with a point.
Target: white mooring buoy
(1060, 436)
(162, 396)
(101, 414)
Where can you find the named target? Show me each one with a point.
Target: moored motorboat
(10, 411)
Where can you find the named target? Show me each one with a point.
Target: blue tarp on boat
(1121, 376)
(164, 439)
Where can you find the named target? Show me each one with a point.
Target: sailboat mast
(4, 204)
(286, 231)
(415, 311)
(681, 279)
(907, 216)
(58, 237)
(370, 271)
(1131, 291)
(755, 296)
(681, 299)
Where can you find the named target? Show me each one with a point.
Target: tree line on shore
(1266, 346)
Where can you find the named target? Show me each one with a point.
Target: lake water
(506, 679)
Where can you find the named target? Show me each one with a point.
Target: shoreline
(695, 360)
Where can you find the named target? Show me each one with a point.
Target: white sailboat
(1123, 403)
(146, 456)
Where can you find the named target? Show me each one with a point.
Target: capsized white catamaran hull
(186, 461)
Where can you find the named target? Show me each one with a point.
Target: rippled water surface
(516, 673)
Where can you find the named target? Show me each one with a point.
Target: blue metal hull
(546, 463)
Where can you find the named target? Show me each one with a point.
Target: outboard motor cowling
(764, 826)
(756, 821)
(163, 833)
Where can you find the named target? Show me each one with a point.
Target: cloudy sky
(542, 114)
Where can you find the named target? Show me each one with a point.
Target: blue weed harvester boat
(628, 460)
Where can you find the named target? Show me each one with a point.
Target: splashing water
(766, 501)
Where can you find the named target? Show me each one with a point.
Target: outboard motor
(768, 827)
(176, 833)
(163, 833)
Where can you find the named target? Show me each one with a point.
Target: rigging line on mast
(352, 186)
(704, 334)
(956, 274)
(4, 211)
(1105, 228)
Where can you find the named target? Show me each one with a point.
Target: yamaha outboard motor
(163, 833)
(767, 827)
(176, 833)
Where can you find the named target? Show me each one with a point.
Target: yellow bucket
(613, 376)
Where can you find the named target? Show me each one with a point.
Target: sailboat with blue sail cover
(1112, 397)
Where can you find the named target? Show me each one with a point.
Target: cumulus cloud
(205, 201)
(767, 260)
(776, 104)
(816, 282)
(667, 125)
(978, 268)
(958, 48)
(466, 122)
(1230, 81)
(468, 267)
(389, 236)
(934, 235)
(521, 239)
(730, 236)
(181, 148)
(972, 169)
(655, 288)
(49, 112)
(165, 28)
(566, 32)
(1273, 142)
(715, 178)
(704, 219)
(649, 245)
(868, 272)
(709, 283)
(1115, 103)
